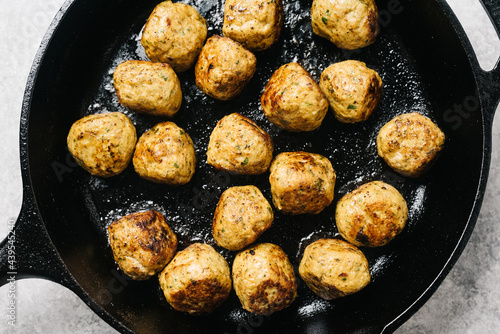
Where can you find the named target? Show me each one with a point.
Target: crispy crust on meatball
(352, 89)
(334, 268)
(149, 88)
(102, 144)
(239, 146)
(292, 100)
(349, 24)
(241, 216)
(224, 68)
(174, 33)
(410, 144)
(264, 279)
(256, 24)
(165, 154)
(301, 182)
(197, 280)
(371, 215)
(142, 243)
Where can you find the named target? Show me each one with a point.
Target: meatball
(165, 154)
(264, 279)
(334, 268)
(410, 144)
(174, 33)
(239, 146)
(224, 68)
(241, 216)
(256, 24)
(349, 24)
(352, 89)
(102, 144)
(149, 88)
(301, 182)
(371, 215)
(142, 244)
(197, 280)
(292, 99)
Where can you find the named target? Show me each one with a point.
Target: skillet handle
(28, 252)
(490, 81)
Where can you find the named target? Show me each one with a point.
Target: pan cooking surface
(87, 205)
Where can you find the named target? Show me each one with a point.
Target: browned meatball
(256, 24)
(102, 144)
(197, 280)
(142, 243)
(174, 34)
(241, 216)
(264, 280)
(371, 215)
(352, 89)
(334, 268)
(349, 24)
(149, 88)
(165, 154)
(239, 146)
(301, 182)
(292, 100)
(410, 144)
(224, 68)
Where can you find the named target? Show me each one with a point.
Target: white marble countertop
(468, 301)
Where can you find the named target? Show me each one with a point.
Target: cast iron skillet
(427, 65)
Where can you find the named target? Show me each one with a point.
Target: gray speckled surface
(468, 301)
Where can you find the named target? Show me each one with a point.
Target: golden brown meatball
(241, 216)
(149, 88)
(301, 182)
(174, 33)
(239, 146)
(165, 154)
(263, 279)
(371, 215)
(142, 244)
(352, 89)
(224, 68)
(102, 144)
(334, 268)
(256, 24)
(410, 144)
(292, 99)
(349, 24)
(197, 280)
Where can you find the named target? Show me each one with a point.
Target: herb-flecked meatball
(142, 243)
(256, 24)
(174, 33)
(371, 215)
(149, 88)
(197, 280)
(264, 279)
(102, 144)
(410, 144)
(238, 145)
(292, 100)
(352, 89)
(301, 182)
(165, 154)
(241, 216)
(334, 268)
(349, 24)
(224, 68)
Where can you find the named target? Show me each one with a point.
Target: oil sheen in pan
(350, 147)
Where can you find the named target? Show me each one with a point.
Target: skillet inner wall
(424, 69)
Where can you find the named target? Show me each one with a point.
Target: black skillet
(427, 65)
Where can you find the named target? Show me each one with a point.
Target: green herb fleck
(176, 165)
(352, 106)
(324, 19)
(245, 162)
